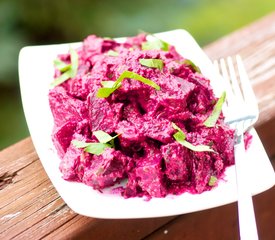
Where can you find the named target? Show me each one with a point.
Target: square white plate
(36, 73)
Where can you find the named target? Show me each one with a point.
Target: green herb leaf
(107, 91)
(188, 62)
(104, 137)
(96, 148)
(155, 45)
(108, 84)
(214, 116)
(80, 144)
(112, 53)
(62, 78)
(212, 181)
(196, 148)
(135, 76)
(180, 138)
(152, 63)
(177, 128)
(61, 66)
(69, 71)
(74, 61)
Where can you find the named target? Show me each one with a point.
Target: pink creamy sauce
(145, 152)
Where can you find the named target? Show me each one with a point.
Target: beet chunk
(70, 163)
(177, 161)
(62, 137)
(175, 94)
(130, 134)
(158, 129)
(65, 108)
(106, 169)
(75, 160)
(220, 137)
(202, 99)
(107, 118)
(202, 170)
(147, 175)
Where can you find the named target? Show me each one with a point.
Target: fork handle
(247, 222)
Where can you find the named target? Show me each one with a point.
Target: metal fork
(241, 112)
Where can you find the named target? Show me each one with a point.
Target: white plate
(36, 73)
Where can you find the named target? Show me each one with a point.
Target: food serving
(137, 111)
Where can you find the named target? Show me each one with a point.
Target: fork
(241, 112)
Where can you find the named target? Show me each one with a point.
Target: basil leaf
(152, 63)
(180, 138)
(107, 91)
(157, 44)
(214, 116)
(188, 62)
(112, 53)
(212, 181)
(69, 71)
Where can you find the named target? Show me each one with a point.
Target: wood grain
(221, 222)
(30, 207)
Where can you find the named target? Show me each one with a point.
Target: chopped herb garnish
(112, 53)
(151, 63)
(94, 148)
(214, 116)
(103, 137)
(196, 148)
(108, 89)
(105, 141)
(61, 66)
(157, 44)
(180, 138)
(188, 62)
(68, 70)
(80, 144)
(107, 84)
(212, 181)
(105, 92)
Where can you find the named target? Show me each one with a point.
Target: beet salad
(140, 113)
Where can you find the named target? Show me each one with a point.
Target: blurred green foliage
(32, 22)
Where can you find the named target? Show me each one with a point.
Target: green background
(34, 22)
